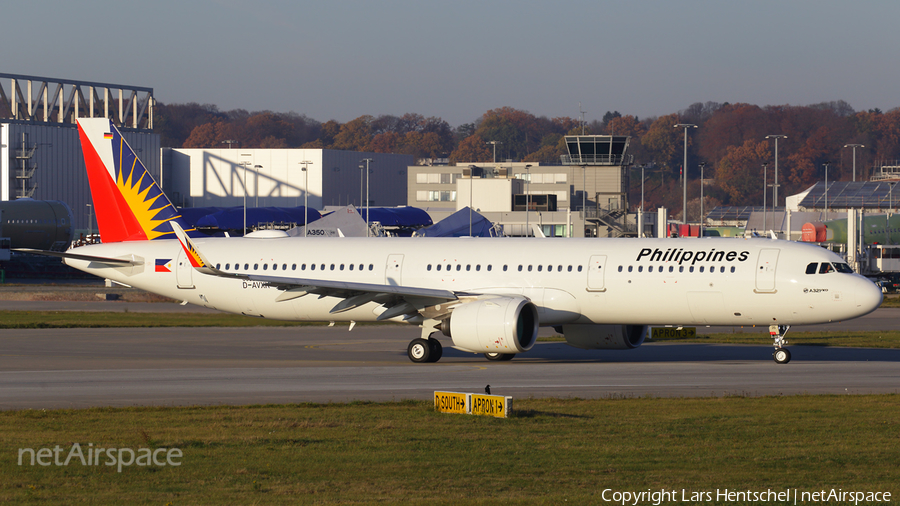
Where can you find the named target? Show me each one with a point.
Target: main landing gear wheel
(424, 350)
(781, 354)
(437, 351)
(499, 357)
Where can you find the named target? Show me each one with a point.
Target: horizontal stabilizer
(76, 256)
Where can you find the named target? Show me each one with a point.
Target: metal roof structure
(737, 213)
(849, 195)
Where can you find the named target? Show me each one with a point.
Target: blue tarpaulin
(408, 217)
(232, 218)
(457, 225)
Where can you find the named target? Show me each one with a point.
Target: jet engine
(605, 337)
(505, 325)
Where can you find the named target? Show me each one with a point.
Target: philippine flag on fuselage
(162, 265)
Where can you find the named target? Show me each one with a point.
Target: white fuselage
(608, 281)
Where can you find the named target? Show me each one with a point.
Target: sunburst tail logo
(129, 204)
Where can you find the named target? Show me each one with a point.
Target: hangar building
(40, 153)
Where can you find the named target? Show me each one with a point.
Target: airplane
(488, 295)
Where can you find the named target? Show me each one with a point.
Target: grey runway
(210, 366)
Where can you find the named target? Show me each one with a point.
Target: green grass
(551, 452)
(78, 319)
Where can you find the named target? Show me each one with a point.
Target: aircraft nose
(868, 296)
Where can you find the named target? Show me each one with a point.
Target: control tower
(602, 190)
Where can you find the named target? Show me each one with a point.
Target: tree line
(730, 142)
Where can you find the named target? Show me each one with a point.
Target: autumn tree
(471, 149)
(740, 172)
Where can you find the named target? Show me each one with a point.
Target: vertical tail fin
(128, 203)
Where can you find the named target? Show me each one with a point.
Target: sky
(456, 60)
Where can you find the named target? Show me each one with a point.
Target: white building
(276, 177)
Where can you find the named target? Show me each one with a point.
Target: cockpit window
(825, 268)
(844, 268)
(811, 268)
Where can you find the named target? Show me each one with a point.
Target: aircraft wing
(397, 300)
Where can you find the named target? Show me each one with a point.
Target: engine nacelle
(493, 325)
(605, 337)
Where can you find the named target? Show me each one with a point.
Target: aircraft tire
(418, 350)
(499, 357)
(437, 351)
(782, 356)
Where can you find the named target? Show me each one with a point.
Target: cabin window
(579, 268)
(630, 268)
(680, 268)
(671, 268)
(218, 266)
(732, 268)
(293, 267)
(489, 267)
(342, 266)
(371, 267)
(246, 267)
(811, 268)
(549, 268)
(504, 268)
(427, 268)
(640, 268)
(620, 268)
(559, 268)
(520, 268)
(274, 267)
(227, 267)
(701, 268)
(312, 267)
(468, 267)
(540, 267)
(284, 267)
(477, 267)
(255, 267)
(691, 269)
(322, 267)
(722, 269)
(351, 267)
(458, 267)
(649, 268)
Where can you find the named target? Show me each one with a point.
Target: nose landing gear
(781, 354)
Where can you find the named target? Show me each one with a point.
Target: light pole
(642, 189)
(890, 206)
(305, 195)
(826, 191)
(495, 148)
(776, 137)
(583, 199)
(527, 199)
(702, 165)
(256, 183)
(765, 192)
(244, 185)
(367, 160)
(90, 221)
(684, 170)
(854, 146)
(471, 178)
(230, 142)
